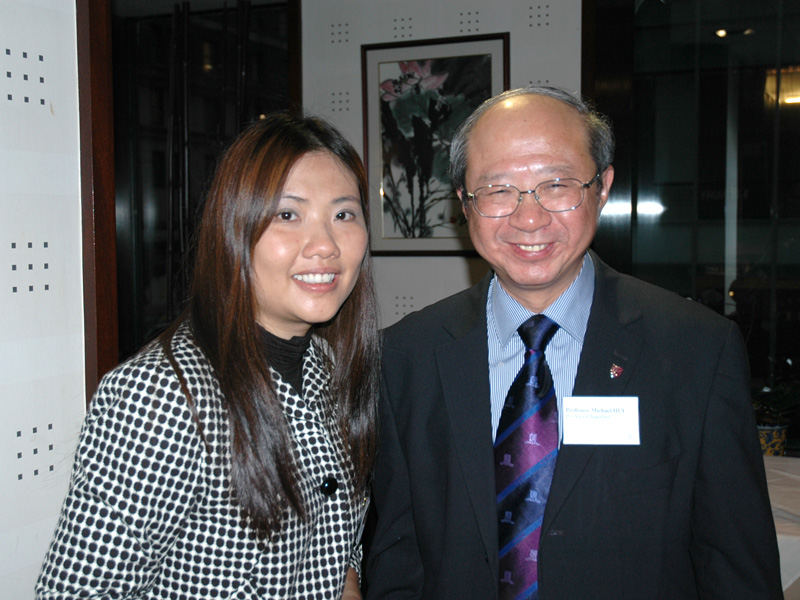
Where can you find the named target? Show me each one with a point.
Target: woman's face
(307, 261)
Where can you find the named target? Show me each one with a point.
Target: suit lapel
(464, 375)
(610, 344)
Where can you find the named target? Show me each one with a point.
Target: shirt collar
(570, 310)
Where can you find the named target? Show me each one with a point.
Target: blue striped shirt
(506, 350)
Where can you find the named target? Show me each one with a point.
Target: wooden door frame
(96, 116)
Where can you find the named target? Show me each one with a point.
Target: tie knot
(537, 331)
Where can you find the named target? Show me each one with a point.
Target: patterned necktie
(525, 452)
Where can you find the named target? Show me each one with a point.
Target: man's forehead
(527, 122)
(532, 106)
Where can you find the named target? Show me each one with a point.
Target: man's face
(524, 141)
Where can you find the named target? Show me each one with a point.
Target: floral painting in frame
(415, 95)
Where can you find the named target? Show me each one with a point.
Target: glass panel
(236, 70)
(717, 197)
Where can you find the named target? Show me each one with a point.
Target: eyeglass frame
(584, 187)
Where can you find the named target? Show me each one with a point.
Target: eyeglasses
(555, 195)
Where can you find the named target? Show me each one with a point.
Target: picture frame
(415, 94)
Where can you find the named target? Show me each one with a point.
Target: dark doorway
(705, 99)
(185, 83)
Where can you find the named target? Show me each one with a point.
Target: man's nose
(529, 213)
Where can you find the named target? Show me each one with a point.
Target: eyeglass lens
(555, 196)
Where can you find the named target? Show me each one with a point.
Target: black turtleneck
(286, 356)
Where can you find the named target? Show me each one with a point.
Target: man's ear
(462, 195)
(607, 178)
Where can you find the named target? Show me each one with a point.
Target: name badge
(600, 420)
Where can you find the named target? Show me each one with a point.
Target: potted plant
(776, 408)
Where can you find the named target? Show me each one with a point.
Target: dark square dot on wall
(25, 77)
(30, 244)
(46, 287)
(30, 288)
(24, 55)
(41, 58)
(46, 244)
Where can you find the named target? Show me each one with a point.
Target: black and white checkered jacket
(150, 512)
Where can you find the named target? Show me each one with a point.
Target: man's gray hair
(598, 130)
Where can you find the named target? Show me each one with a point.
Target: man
(672, 505)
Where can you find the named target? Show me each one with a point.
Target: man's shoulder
(433, 321)
(659, 305)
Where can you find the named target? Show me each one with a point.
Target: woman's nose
(321, 241)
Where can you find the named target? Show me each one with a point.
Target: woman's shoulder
(161, 380)
(152, 358)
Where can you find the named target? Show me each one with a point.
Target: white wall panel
(41, 323)
(544, 48)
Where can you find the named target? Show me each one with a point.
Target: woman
(231, 458)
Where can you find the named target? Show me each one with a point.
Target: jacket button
(329, 486)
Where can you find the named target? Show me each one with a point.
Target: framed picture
(415, 95)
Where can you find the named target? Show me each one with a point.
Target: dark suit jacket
(683, 515)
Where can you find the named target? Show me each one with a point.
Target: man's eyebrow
(544, 170)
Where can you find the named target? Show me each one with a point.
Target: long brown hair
(240, 204)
